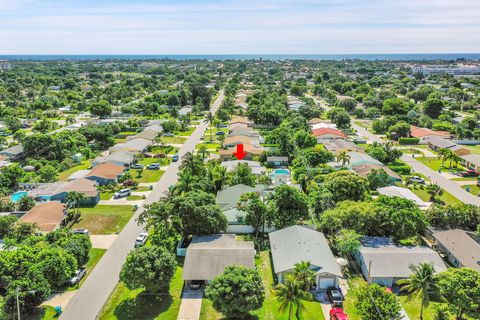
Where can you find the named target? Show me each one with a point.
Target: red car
(337, 314)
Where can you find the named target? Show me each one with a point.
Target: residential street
(451, 186)
(93, 294)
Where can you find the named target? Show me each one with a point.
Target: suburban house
(184, 111)
(338, 145)
(277, 161)
(154, 128)
(256, 167)
(12, 153)
(295, 244)
(323, 124)
(119, 158)
(384, 263)
(232, 141)
(471, 161)
(244, 120)
(134, 145)
(105, 173)
(229, 197)
(85, 186)
(208, 256)
(462, 248)
(251, 151)
(145, 134)
(394, 191)
(323, 134)
(364, 169)
(236, 126)
(248, 132)
(424, 134)
(47, 216)
(359, 158)
(437, 143)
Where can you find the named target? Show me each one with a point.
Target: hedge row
(408, 140)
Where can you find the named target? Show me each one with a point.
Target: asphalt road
(451, 186)
(90, 298)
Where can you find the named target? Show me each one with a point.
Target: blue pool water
(17, 195)
(281, 171)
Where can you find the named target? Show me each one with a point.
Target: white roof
(394, 191)
(254, 165)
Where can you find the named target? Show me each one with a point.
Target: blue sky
(239, 26)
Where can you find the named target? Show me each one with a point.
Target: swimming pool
(281, 171)
(18, 195)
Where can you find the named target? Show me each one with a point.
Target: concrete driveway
(191, 304)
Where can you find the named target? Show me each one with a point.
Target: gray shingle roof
(440, 142)
(207, 256)
(229, 197)
(462, 245)
(295, 244)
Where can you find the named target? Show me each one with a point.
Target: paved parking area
(191, 304)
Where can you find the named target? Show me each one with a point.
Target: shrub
(408, 141)
(400, 169)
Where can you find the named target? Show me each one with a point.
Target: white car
(122, 193)
(141, 239)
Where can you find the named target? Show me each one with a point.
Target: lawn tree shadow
(143, 306)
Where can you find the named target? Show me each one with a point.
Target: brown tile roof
(85, 186)
(106, 170)
(237, 139)
(47, 215)
(417, 132)
(322, 131)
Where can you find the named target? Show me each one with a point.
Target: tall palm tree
(192, 163)
(76, 198)
(343, 157)
(203, 150)
(291, 295)
(304, 275)
(449, 155)
(210, 118)
(454, 159)
(421, 283)
(442, 152)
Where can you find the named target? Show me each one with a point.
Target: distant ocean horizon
(219, 57)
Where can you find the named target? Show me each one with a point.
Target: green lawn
(445, 197)
(209, 145)
(474, 189)
(104, 219)
(269, 311)
(133, 198)
(131, 304)
(141, 188)
(174, 140)
(42, 313)
(147, 175)
(162, 161)
(412, 307)
(185, 133)
(435, 164)
(350, 300)
(63, 176)
(106, 195)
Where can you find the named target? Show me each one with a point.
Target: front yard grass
(63, 176)
(269, 310)
(445, 197)
(132, 304)
(436, 164)
(412, 307)
(473, 189)
(104, 219)
(106, 195)
(174, 140)
(186, 133)
(134, 198)
(147, 175)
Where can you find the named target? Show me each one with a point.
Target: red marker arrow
(240, 154)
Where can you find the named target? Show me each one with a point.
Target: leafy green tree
(399, 130)
(75, 198)
(236, 292)
(346, 185)
(343, 157)
(433, 107)
(101, 108)
(421, 283)
(242, 174)
(56, 265)
(256, 211)
(11, 176)
(210, 118)
(373, 302)
(291, 295)
(287, 206)
(150, 268)
(378, 178)
(78, 245)
(25, 203)
(304, 139)
(441, 313)
(192, 163)
(48, 173)
(6, 225)
(347, 242)
(434, 190)
(461, 288)
(395, 106)
(320, 199)
(462, 216)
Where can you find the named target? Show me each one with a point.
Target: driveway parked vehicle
(81, 231)
(141, 239)
(337, 314)
(153, 166)
(79, 274)
(136, 166)
(196, 284)
(469, 173)
(175, 158)
(335, 297)
(416, 179)
(122, 193)
(220, 133)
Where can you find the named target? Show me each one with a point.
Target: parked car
(335, 297)
(153, 166)
(175, 158)
(196, 284)
(168, 134)
(338, 314)
(220, 133)
(222, 125)
(141, 239)
(136, 166)
(417, 179)
(469, 173)
(81, 231)
(122, 193)
(79, 274)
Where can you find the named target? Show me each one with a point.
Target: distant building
(5, 65)
(447, 69)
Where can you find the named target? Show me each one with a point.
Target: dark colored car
(196, 284)
(79, 274)
(220, 133)
(469, 173)
(175, 158)
(335, 297)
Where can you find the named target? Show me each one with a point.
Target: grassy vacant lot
(147, 175)
(65, 174)
(132, 304)
(269, 311)
(174, 140)
(104, 219)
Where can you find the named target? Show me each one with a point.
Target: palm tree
(421, 283)
(343, 157)
(442, 152)
(221, 139)
(304, 275)
(291, 295)
(209, 118)
(192, 163)
(203, 150)
(434, 190)
(455, 159)
(76, 198)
